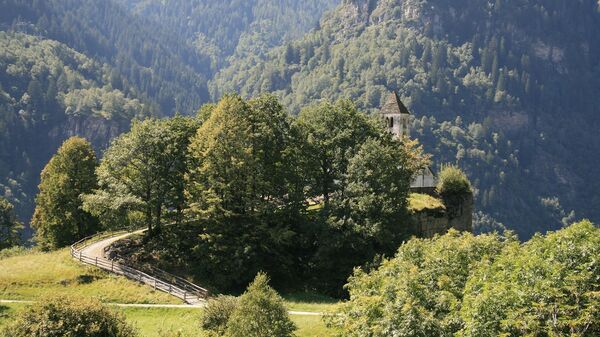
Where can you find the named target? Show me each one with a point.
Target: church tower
(396, 116)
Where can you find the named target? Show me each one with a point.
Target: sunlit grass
(151, 322)
(30, 276)
(419, 202)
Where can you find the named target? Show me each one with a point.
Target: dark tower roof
(393, 105)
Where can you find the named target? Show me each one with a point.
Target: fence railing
(156, 278)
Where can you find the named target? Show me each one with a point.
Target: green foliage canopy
(486, 285)
(549, 286)
(332, 134)
(142, 172)
(216, 314)
(59, 219)
(453, 181)
(244, 188)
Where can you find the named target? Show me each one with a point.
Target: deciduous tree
(244, 189)
(59, 219)
(58, 317)
(332, 133)
(142, 171)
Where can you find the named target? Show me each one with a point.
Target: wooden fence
(156, 278)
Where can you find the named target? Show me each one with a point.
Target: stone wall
(458, 215)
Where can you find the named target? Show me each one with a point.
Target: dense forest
(89, 62)
(49, 91)
(504, 89)
(219, 29)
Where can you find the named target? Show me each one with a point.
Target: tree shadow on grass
(309, 297)
(3, 311)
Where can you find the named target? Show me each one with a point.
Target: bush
(216, 315)
(72, 317)
(419, 291)
(260, 312)
(452, 181)
(480, 286)
(546, 287)
(14, 251)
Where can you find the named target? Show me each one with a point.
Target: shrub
(260, 312)
(71, 317)
(546, 287)
(216, 315)
(419, 291)
(452, 180)
(14, 251)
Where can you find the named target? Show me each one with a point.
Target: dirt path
(96, 249)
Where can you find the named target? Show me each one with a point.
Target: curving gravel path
(96, 249)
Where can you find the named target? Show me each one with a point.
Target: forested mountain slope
(147, 55)
(219, 29)
(86, 67)
(508, 89)
(49, 92)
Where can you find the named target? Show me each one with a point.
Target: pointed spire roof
(393, 105)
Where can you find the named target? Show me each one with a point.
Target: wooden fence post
(79, 256)
(112, 266)
(96, 261)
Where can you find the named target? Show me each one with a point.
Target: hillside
(219, 29)
(505, 89)
(49, 92)
(146, 55)
(95, 65)
(29, 275)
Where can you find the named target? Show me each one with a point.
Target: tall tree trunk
(149, 220)
(158, 217)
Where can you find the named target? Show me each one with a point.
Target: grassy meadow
(28, 276)
(35, 274)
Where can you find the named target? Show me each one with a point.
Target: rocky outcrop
(457, 214)
(97, 130)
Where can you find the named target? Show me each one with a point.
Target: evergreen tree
(9, 226)
(59, 219)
